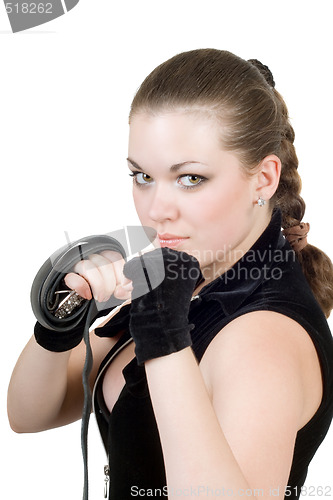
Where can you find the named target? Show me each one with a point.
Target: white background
(65, 92)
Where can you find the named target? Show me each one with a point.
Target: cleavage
(113, 380)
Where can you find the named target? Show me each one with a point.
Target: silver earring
(261, 202)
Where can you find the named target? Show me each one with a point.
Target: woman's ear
(268, 177)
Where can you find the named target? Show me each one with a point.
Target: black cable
(87, 403)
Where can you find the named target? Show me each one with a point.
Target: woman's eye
(190, 180)
(141, 178)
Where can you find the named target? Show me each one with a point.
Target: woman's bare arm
(46, 390)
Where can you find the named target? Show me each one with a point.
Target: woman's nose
(163, 205)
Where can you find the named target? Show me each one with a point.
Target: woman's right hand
(46, 387)
(100, 276)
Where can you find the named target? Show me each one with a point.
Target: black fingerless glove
(163, 283)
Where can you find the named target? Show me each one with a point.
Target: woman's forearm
(196, 452)
(37, 389)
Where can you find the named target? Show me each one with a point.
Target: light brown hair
(256, 124)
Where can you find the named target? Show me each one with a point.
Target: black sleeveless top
(269, 278)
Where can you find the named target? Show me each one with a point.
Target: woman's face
(194, 194)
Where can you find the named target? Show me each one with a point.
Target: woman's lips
(170, 240)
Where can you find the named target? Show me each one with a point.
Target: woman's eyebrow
(173, 168)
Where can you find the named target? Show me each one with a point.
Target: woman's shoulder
(276, 312)
(268, 357)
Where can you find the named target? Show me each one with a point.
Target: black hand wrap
(163, 283)
(57, 341)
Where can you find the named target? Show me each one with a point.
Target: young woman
(219, 381)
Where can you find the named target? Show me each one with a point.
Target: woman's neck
(218, 268)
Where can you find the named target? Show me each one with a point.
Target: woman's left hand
(163, 284)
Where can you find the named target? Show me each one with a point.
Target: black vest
(269, 278)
